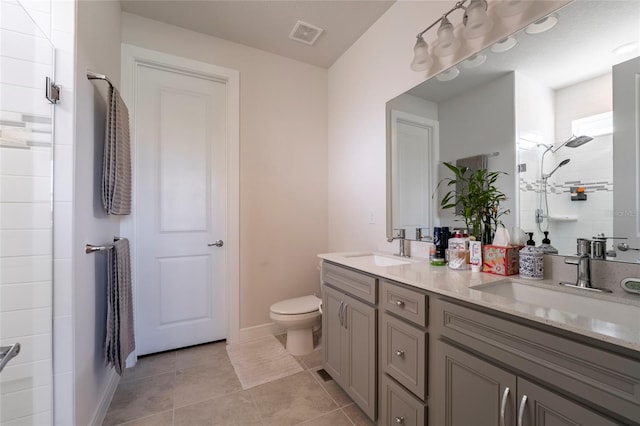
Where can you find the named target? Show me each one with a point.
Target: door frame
(133, 57)
(433, 127)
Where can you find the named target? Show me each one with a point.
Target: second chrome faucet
(583, 263)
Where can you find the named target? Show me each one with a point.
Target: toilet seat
(296, 306)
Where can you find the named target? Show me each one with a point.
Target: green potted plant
(477, 199)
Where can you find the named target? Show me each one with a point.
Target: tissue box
(501, 260)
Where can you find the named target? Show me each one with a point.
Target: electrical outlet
(372, 216)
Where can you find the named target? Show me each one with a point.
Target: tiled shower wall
(30, 29)
(26, 300)
(590, 166)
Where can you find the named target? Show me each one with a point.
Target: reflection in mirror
(577, 78)
(412, 141)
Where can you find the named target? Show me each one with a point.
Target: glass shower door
(26, 139)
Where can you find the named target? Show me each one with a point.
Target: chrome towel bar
(91, 75)
(90, 248)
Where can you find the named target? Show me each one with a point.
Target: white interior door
(181, 195)
(413, 151)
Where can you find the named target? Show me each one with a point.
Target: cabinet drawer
(410, 304)
(351, 282)
(403, 353)
(398, 406)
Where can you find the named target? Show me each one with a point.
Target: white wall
(374, 70)
(97, 49)
(283, 162)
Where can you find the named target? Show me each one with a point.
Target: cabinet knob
(400, 420)
(400, 353)
(399, 303)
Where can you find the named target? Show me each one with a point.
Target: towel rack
(90, 248)
(95, 76)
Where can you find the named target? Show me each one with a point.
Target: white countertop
(622, 330)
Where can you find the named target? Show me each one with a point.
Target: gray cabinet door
(473, 392)
(333, 353)
(360, 344)
(350, 346)
(545, 408)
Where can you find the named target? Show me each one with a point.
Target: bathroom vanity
(414, 344)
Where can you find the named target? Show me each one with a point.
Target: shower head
(577, 141)
(572, 142)
(562, 163)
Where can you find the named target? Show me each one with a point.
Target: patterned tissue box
(501, 260)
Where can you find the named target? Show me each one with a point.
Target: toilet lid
(298, 305)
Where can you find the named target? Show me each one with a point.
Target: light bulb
(447, 43)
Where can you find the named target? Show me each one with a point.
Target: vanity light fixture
(505, 44)
(542, 25)
(476, 23)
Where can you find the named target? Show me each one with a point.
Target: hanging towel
(120, 339)
(477, 162)
(116, 163)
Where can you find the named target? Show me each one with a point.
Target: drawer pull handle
(523, 404)
(400, 353)
(503, 405)
(400, 303)
(400, 420)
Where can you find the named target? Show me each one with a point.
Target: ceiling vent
(305, 33)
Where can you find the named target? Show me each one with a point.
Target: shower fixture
(562, 163)
(542, 212)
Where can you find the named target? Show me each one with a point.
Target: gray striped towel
(120, 338)
(116, 163)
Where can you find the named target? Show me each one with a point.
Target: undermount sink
(377, 259)
(571, 302)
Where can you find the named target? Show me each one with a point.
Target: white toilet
(299, 316)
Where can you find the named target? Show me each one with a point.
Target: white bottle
(475, 256)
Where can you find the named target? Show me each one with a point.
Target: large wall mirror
(517, 103)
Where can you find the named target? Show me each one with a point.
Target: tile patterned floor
(197, 386)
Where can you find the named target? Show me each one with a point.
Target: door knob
(218, 243)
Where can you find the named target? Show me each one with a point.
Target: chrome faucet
(404, 247)
(583, 262)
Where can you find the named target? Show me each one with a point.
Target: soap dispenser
(531, 260)
(546, 246)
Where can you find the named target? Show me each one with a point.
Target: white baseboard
(259, 331)
(107, 396)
